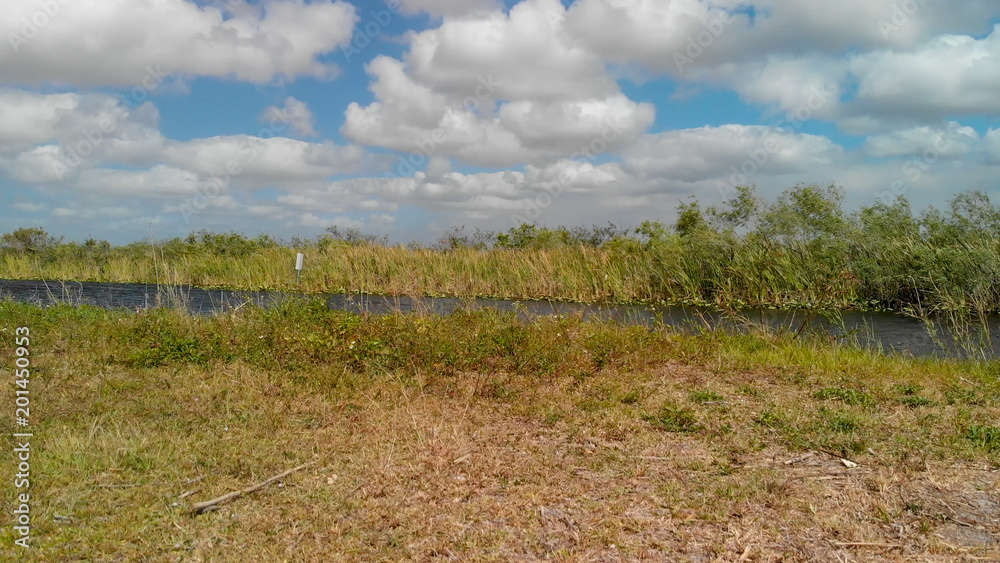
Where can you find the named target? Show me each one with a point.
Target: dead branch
(211, 504)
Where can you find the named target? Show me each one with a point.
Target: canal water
(888, 332)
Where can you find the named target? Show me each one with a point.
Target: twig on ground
(211, 504)
(865, 544)
(836, 455)
(801, 458)
(130, 485)
(189, 493)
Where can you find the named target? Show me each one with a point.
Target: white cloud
(313, 221)
(115, 42)
(719, 32)
(27, 118)
(953, 140)
(159, 182)
(521, 132)
(260, 162)
(810, 85)
(951, 75)
(43, 136)
(448, 7)
(708, 153)
(530, 94)
(76, 157)
(558, 128)
(527, 54)
(992, 144)
(94, 212)
(650, 32)
(29, 207)
(497, 91)
(906, 71)
(295, 113)
(37, 165)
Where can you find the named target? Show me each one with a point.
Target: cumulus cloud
(790, 83)
(485, 192)
(533, 95)
(314, 221)
(448, 7)
(257, 161)
(43, 136)
(160, 181)
(713, 33)
(706, 153)
(295, 113)
(117, 42)
(953, 140)
(497, 91)
(526, 53)
(27, 118)
(952, 75)
(992, 145)
(616, 121)
(777, 52)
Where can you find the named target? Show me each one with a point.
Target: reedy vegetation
(802, 250)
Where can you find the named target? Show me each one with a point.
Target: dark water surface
(885, 331)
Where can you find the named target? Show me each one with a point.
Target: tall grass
(802, 250)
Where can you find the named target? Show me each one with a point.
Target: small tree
(808, 215)
(28, 240)
(690, 219)
(740, 211)
(353, 236)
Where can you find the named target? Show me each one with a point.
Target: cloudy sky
(405, 117)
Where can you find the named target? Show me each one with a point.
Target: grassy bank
(801, 250)
(480, 437)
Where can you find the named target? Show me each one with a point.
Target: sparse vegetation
(480, 436)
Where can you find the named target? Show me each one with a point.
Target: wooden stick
(189, 493)
(208, 504)
(836, 455)
(864, 544)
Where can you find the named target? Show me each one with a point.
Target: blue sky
(408, 117)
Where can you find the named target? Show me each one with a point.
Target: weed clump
(671, 418)
(984, 436)
(846, 396)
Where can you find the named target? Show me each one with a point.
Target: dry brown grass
(493, 466)
(421, 474)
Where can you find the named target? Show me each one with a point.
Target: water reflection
(887, 332)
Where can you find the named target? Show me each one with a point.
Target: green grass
(847, 396)
(799, 251)
(672, 418)
(480, 436)
(985, 437)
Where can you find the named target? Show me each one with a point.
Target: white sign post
(298, 267)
